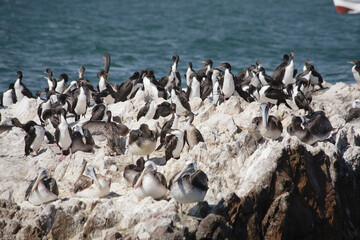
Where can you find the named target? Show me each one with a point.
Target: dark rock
(113, 236)
(212, 227)
(15, 227)
(64, 226)
(200, 210)
(167, 233)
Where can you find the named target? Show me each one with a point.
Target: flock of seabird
(217, 84)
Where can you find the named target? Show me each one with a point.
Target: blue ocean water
(62, 35)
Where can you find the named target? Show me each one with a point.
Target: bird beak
(96, 181)
(183, 171)
(351, 62)
(139, 181)
(37, 182)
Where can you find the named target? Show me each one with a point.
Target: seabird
(244, 74)
(189, 71)
(111, 130)
(80, 103)
(152, 86)
(20, 88)
(174, 69)
(106, 58)
(92, 185)
(41, 190)
(148, 111)
(193, 89)
(63, 135)
(356, 70)
(42, 108)
(34, 137)
(150, 182)
(60, 85)
(298, 98)
(174, 143)
(142, 141)
(354, 112)
(192, 135)
(51, 80)
(228, 87)
(131, 171)
(206, 87)
(178, 97)
(81, 139)
(8, 97)
(189, 185)
(163, 110)
(98, 112)
(268, 125)
(311, 128)
(263, 77)
(204, 70)
(270, 94)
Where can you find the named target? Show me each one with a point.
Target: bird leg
(62, 157)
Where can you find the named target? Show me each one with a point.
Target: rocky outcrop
(301, 200)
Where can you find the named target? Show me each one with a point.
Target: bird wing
(82, 183)
(142, 112)
(199, 179)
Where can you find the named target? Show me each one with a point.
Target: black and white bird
(174, 143)
(20, 89)
(193, 89)
(298, 99)
(82, 139)
(315, 77)
(51, 80)
(92, 185)
(189, 71)
(148, 111)
(8, 97)
(268, 125)
(34, 137)
(178, 97)
(150, 182)
(61, 83)
(284, 73)
(228, 86)
(41, 190)
(192, 135)
(63, 135)
(356, 70)
(42, 108)
(142, 141)
(205, 69)
(80, 104)
(132, 170)
(310, 129)
(189, 185)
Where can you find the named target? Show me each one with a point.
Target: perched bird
(45, 105)
(354, 112)
(270, 94)
(92, 185)
(192, 135)
(111, 130)
(34, 137)
(80, 104)
(148, 111)
(189, 185)
(51, 80)
(268, 125)
(315, 77)
(81, 139)
(131, 171)
(63, 135)
(20, 89)
(150, 182)
(189, 71)
(8, 97)
(152, 86)
(298, 98)
(193, 89)
(311, 128)
(98, 112)
(61, 83)
(206, 87)
(41, 190)
(205, 69)
(228, 87)
(356, 70)
(178, 97)
(174, 143)
(163, 110)
(142, 141)
(284, 73)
